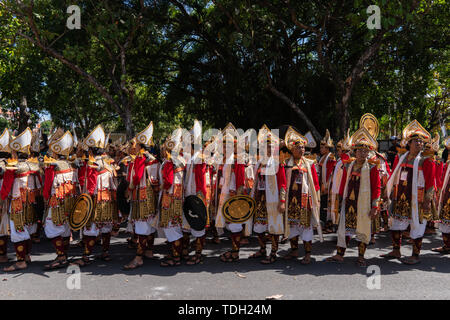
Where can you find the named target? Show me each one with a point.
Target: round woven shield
(195, 212)
(239, 209)
(81, 212)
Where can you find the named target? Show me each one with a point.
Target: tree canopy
(314, 64)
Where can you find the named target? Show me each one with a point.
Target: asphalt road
(246, 279)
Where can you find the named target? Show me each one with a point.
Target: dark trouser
(323, 208)
(3, 245)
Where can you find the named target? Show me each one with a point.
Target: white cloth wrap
(444, 187)
(306, 234)
(394, 179)
(363, 222)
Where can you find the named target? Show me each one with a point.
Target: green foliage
(210, 60)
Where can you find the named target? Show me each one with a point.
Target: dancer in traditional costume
(360, 192)
(411, 187)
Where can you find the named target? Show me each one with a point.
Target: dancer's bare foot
(19, 265)
(135, 263)
(335, 258)
(394, 254)
(306, 260)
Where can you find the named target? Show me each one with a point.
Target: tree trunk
(127, 121)
(298, 111)
(24, 115)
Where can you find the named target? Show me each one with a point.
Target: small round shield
(195, 212)
(81, 212)
(239, 209)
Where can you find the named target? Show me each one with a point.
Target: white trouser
(52, 230)
(306, 234)
(144, 228)
(173, 233)
(401, 225)
(23, 235)
(94, 231)
(260, 228)
(196, 233)
(234, 227)
(444, 228)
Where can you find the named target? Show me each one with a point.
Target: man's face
(339, 151)
(416, 145)
(361, 154)
(298, 151)
(324, 150)
(269, 149)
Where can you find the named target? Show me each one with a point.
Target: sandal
(184, 255)
(361, 262)
(83, 262)
(410, 260)
(171, 262)
(306, 260)
(132, 265)
(441, 250)
(56, 264)
(270, 259)
(261, 253)
(389, 256)
(105, 257)
(14, 267)
(290, 255)
(334, 259)
(195, 259)
(228, 256)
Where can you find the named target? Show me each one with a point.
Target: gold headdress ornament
(196, 132)
(265, 135)
(75, 138)
(435, 143)
(63, 145)
(22, 142)
(370, 122)
(173, 141)
(311, 142)
(5, 139)
(327, 141)
(432, 146)
(96, 138)
(414, 130)
(347, 141)
(36, 141)
(48, 160)
(106, 145)
(229, 133)
(145, 136)
(293, 138)
(363, 139)
(56, 135)
(447, 142)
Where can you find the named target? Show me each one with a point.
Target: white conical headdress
(96, 138)
(145, 136)
(63, 145)
(311, 141)
(5, 139)
(22, 142)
